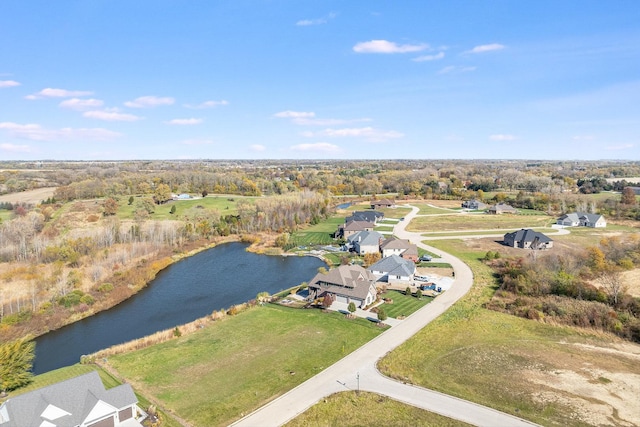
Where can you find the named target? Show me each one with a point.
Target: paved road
(358, 369)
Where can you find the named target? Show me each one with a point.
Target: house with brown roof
(401, 247)
(382, 203)
(347, 283)
(82, 401)
(502, 208)
(352, 227)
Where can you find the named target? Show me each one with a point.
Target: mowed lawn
(231, 367)
(403, 305)
(226, 205)
(460, 222)
(358, 409)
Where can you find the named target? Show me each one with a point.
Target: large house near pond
(582, 219)
(528, 239)
(394, 270)
(78, 402)
(365, 242)
(347, 283)
(402, 247)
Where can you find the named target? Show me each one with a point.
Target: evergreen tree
(16, 360)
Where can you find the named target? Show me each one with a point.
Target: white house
(582, 219)
(365, 242)
(394, 270)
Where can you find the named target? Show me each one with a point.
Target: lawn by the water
(233, 366)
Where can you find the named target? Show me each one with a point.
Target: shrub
(176, 332)
(105, 287)
(71, 299)
(15, 318)
(87, 299)
(382, 315)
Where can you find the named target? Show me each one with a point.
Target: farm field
(555, 376)
(466, 222)
(235, 365)
(351, 409)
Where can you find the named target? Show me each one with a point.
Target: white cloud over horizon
(13, 148)
(425, 58)
(185, 122)
(111, 115)
(58, 93)
(8, 83)
(368, 133)
(486, 48)
(35, 132)
(81, 104)
(385, 46)
(207, 104)
(150, 102)
(317, 21)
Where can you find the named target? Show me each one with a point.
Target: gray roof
(366, 238)
(76, 396)
(527, 235)
(349, 280)
(370, 216)
(394, 265)
(581, 216)
(395, 243)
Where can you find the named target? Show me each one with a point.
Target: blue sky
(319, 79)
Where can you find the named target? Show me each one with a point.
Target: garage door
(109, 422)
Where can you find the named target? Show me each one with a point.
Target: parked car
(425, 257)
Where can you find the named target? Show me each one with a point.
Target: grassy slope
(484, 356)
(351, 409)
(231, 367)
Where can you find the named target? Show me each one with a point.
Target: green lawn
(234, 366)
(349, 409)
(403, 305)
(425, 209)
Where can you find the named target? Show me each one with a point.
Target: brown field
(29, 196)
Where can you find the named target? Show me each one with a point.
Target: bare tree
(611, 280)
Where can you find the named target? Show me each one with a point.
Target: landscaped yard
(351, 409)
(233, 366)
(403, 305)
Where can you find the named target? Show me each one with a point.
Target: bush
(105, 287)
(15, 318)
(382, 315)
(71, 299)
(87, 299)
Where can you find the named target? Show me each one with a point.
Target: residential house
(402, 247)
(78, 402)
(365, 242)
(347, 283)
(394, 269)
(528, 239)
(474, 205)
(352, 227)
(382, 203)
(369, 216)
(582, 219)
(502, 208)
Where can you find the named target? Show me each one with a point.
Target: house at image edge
(347, 283)
(78, 402)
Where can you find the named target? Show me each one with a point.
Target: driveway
(358, 369)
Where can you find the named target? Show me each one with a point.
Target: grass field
(427, 209)
(230, 367)
(318, 234)
(466, 222)
(350, 409)
(403, 305)
(226, 205)
(515, 365)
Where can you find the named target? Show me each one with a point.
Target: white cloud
(36, 132)
(257, 147)
(197, 142)
(207, 104)
(583, 137)
(453, 69)
(486, 48)
(81, 104)
(16, 148)
(8, 83)
(294, 114)
(385, 46)
(368, 133)
(149, 102)
(424, 58)
(502, 137)
(186, 122)
(111, 115)
(58, 93)
(327, 122)
(317, 21)
(324, 147)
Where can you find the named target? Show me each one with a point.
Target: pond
(185, 291)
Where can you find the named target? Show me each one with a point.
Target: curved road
(357, 371)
